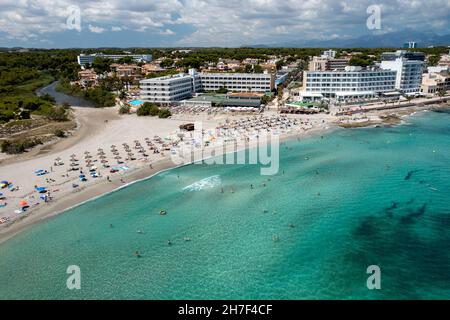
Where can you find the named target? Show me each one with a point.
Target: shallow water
(373, 196)
(61, 98)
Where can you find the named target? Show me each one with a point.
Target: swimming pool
(136, 102)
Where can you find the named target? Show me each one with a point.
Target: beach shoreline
(72, 199)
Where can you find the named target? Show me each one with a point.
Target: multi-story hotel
(165, 90)
(409, 74)
(237, 82)
(181, 86)
(402, 71)
(86, 59)
(352, 83)
(392, 56)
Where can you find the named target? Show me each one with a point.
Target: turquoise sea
(347, 200)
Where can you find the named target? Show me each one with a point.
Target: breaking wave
(207, 183)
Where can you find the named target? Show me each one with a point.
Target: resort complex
(224, 173)
(170, 89)
(88, 59)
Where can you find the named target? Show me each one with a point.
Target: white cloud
(95, 29)
(167, 32)
(218, 22)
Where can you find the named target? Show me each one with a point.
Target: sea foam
(207, 183)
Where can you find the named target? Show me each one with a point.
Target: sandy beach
(102, 132)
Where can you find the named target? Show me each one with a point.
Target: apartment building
(351, 83)
(435, 82)
(87, 78)
(130, 71)
(327, 62)
(181, 86)
(88, 59)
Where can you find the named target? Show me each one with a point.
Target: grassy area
(28, 88)
(14, 123)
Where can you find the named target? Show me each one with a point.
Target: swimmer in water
(169, 243)
(140, 232)
(137, 254)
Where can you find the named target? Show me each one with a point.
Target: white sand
(93, 133)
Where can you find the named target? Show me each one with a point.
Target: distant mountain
(387, 40)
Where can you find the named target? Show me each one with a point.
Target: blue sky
(226, 23)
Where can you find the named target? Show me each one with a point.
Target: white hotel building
(88, 59)
(352, 83)
(356, 83)
(165, 90)
(409, 74)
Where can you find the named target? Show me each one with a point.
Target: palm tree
(409, 98)
(441, 93)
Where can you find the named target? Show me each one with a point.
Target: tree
(167, 63)
(258, 69)
(57, 114)
(148, 109)
(122, 95)
(441, 93)
(124, 109)
(164, 113)
(102, 65)
(433, 60)
(222, 90)
(125, 60)
(25, 114)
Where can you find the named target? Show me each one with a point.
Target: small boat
(162, 212)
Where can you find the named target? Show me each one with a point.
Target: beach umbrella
(23, 203)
